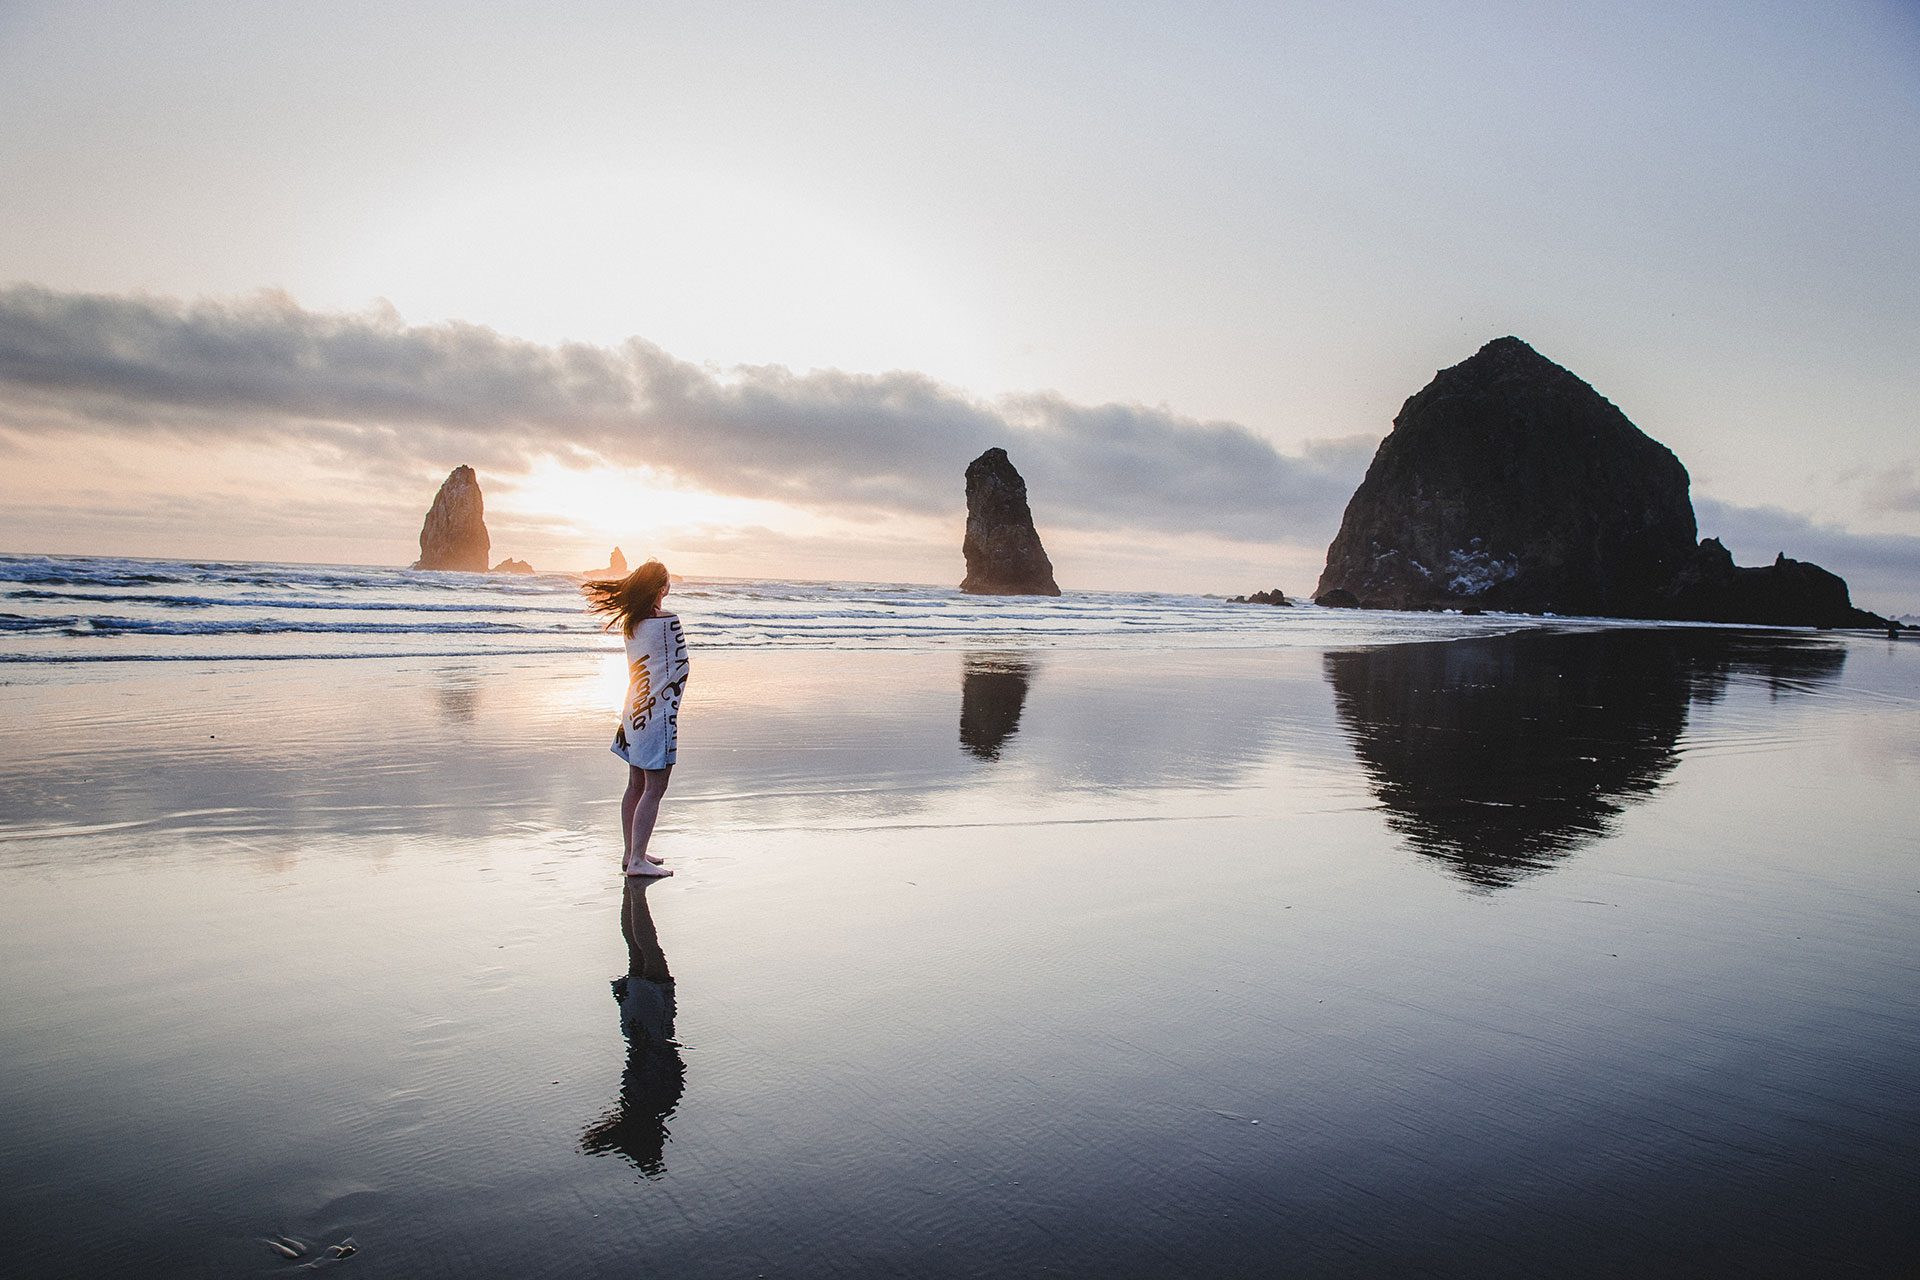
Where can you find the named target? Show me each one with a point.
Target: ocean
(93, 609)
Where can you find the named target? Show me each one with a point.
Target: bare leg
(651, 785)
(627, 803)
(645, 959)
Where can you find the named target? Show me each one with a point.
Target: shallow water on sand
(1584, 953)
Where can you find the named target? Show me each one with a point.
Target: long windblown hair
(630, 600)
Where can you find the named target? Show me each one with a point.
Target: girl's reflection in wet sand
(636, 1126)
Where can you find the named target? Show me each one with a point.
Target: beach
(1511, 947)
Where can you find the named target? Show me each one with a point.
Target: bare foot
(649, 870)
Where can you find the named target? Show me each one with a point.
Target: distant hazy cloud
(436, 395)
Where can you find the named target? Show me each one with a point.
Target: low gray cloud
(374, 387)
(1882, 570)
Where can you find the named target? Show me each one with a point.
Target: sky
(746, 286)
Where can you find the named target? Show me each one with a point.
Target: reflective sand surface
(1571, 954)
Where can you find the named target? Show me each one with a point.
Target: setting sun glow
(587, 511)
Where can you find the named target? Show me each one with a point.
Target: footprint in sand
(297, 1250)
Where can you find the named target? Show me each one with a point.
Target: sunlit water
(1243, 942)
(87, 609)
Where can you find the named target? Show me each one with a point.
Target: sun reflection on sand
(609, 682)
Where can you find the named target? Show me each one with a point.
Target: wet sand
(1569, 954)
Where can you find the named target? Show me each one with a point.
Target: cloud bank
(386, 397)
(265, 370)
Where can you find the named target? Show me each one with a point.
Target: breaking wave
(98, 608)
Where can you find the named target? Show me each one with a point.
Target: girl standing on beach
(650, 714)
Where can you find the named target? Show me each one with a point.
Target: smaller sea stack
(1003, 551)
(615, 567)
(454, 535)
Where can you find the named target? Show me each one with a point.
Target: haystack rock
(1003, 551)
(1509, 483)
(455, 533)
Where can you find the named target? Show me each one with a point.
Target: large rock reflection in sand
(1501, 756)
(993, 691)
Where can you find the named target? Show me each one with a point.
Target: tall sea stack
(455, 533)
(1003, 551)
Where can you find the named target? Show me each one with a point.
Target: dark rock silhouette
(1786, 593)
(1338, 598)
(1003, 551)
(510, 565)
(993, 692)
(1509, 483)
(1501, 756)
(1273, 597)
(454, 535)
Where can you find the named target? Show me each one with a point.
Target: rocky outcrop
(1273, 597)
(1508, 483)
(454, 535)
(1003, 551)
(510, 565)
(1786, 593)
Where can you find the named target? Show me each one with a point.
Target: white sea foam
(84, 609)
